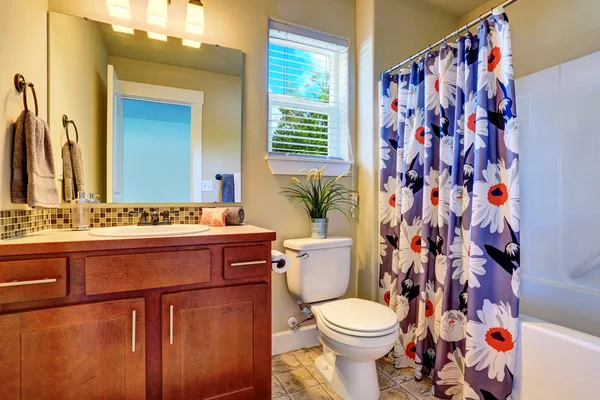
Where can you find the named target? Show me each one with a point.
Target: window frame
(291, 163)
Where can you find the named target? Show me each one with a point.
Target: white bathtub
(556, 363)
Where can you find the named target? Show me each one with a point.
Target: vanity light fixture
(118, 8)
(157, 36)
(123, 29)
(157, 12)
(191, 43)
(194, 19)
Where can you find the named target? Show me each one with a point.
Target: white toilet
(354, 332)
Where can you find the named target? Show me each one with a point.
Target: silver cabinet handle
(239, 264)
(133, 331)
(25, 283)
(171, 324)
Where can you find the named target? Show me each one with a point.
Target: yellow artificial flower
(295, 180)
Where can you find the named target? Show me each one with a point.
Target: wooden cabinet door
(90, 351)
(216, 344)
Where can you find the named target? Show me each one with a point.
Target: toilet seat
(359, 318)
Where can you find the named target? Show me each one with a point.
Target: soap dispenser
(80, 212)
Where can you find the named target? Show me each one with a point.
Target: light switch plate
(207, 186)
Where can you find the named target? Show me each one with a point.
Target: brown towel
(72, 168)
(235, 216)
(18, 185)
(41, 184)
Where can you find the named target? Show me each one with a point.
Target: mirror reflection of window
(156, 152)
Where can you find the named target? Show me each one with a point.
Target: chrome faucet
(155, 217)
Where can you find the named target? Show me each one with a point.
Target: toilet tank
(319, 268)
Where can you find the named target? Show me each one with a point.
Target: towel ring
(66, 121)
(21, 85)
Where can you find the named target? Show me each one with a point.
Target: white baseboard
(291, 340)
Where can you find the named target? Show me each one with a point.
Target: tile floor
(296, 378)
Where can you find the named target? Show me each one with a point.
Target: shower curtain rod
(450, 36)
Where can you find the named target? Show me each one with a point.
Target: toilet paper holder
(280, 263)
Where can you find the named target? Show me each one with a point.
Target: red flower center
(429, 308)
(392, 200)
(498, 194)
(395, 105)
(411, 350)
(499, 339)
(494, 58)
(435, 196)
(420, 135)
(415, 244)
(386, 297)
(471, 122)
(437, 84)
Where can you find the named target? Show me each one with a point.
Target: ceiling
(458, 8)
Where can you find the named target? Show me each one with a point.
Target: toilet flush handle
(303, 255)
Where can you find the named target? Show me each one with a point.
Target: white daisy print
(430, 312)
(436, 197)
(441, 267)
(402, 307)
(473, 124)
(466, 258)
(384, 153)
(432, 87)
(453, 375)
(407, 199)
(491, 343)
(405, 349)
(459, 200)
(447, 150)
(403, 100)
(416, 137)
(497, 197)
(412, 249)
(495, 61)
(447, 80)
(515, 282)
(387, 288)
(511, 135)
(387, 203)
(453, 326)
(389, 107)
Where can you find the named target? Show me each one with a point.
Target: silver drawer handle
(25, 283)
(171, 324)
(248, 263)
(133, 331)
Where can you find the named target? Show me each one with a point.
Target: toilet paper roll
(280, 263)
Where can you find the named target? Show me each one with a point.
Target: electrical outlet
(207, 186)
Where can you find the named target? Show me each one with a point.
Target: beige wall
(548, 32)
(221, 113)
(388, 31)
(22, 50)
(77, 71)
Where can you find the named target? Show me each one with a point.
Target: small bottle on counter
(80, 212)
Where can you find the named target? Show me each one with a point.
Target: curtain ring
(479, 18)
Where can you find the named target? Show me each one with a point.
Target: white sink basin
(149, 230)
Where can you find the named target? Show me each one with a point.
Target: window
(308, 96)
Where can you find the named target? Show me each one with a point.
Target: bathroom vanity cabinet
(172, 318)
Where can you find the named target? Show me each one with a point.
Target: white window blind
(308, 93)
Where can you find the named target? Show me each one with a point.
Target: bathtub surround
(449, 212)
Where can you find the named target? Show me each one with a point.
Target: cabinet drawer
(246, 261)
(126, 272)
(28, 280)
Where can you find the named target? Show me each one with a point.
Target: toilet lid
(359, 317)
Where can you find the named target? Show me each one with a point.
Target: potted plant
(318, 196)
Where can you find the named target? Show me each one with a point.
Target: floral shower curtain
(449, 213)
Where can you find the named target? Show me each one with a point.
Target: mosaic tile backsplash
(16, 223)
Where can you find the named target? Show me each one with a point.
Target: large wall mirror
(157, 121)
